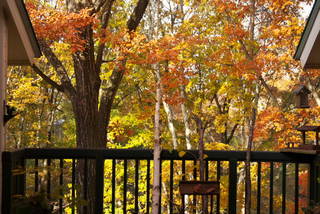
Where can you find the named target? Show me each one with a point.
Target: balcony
(281, 182)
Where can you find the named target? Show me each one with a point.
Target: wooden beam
(21, 27)
(3, 71)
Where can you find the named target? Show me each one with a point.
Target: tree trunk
(157, 149)
(171, 127)
(313, 91)
(90, 132)
(201, 130)
(91, 114)
(185, 116)
(247, 163)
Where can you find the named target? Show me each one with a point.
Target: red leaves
(278, 125)
(54, 25)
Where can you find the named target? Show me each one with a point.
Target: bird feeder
(304, 147)
(10, 112)
(303, 130)
(301, 97)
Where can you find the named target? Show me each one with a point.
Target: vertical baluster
(7, 182)
(206, 197)
(36, 175)
(85, 183)
(183, 178)
(296, 188)
(312, 182)
(22, 178)
(148, 186)
(258, 187)
(218, 179)
(61, 187)
(232, 186)
(73, 181)
(136, 189)
(207, 170)
(171, 187)
(271, 189)
(113, 203)
(49, 178)
(211, 202)
(194, 203)
(125, 178)
(284, 184)
(99, 184)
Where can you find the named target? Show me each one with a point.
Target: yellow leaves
(181, 154)
(218, 146)
(219, 123)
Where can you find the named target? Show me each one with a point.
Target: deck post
(3, 69)
(7, 182)
(314, 183)
(232, 187)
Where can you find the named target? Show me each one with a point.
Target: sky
(307, 10)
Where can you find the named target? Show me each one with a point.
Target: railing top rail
(70, 153)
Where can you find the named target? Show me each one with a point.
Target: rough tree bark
(252, 119)
(201, 128)
(247, 163)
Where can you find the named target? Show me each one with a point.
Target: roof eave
(307, 30)
(30, 31)
(20, 26)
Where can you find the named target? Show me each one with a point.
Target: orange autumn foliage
(60, 26)
(279, 126)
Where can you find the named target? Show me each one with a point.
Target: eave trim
(28, 26)
(306, 32)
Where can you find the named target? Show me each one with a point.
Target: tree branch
(109, 93)
(137, 15)
(244, 48)
(232, 133)
(105, 20)
(217, 102)
(47, 79)
(266, 86)
(58, 66)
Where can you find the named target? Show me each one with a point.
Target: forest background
(224, 70)
(217, 61)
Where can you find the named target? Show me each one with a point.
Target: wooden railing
(123, 179)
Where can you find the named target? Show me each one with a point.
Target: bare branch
(232, 133)
(244, 48)
(266, 86)
(105, 20)
(109, 93)
(218, 103)
(58, 66)
(137, 15)
(47, 79)
(107, 61)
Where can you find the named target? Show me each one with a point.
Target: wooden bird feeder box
(304, 130)
(301, 97)
(199, 187)
(305, 148)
